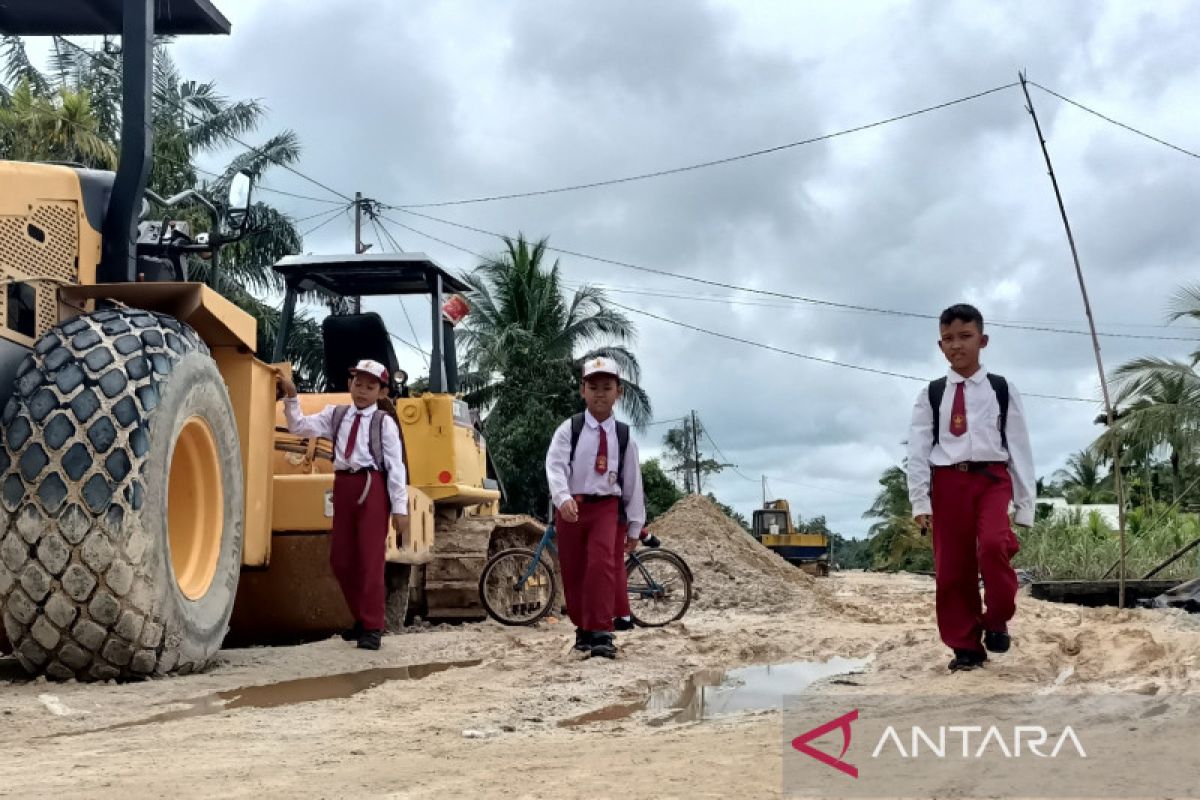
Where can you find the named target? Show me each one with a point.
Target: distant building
(1060, 509)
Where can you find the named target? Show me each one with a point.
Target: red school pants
(972, 537)
(359, 546)
(621, 599)
(587, 552)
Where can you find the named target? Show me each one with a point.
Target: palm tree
(73, 114)
(896, 542)
(55, 127)
(1161, 412)
(1083, 480)
(521, 317)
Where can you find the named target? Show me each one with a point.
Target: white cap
(601, 365)
(372, 368)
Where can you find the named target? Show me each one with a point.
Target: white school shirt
(981, 442)
(321, 424)
(580, 477)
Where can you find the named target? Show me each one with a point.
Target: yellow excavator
(148, 498)
(772, 525)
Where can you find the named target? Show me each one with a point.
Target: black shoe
(650, 540)
(603, 646)
(967, 660)
(370, 640)
(623, 623)
(353, 633)
(583, 640)
(996, 641)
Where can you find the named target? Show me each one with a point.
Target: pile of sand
(730, 568)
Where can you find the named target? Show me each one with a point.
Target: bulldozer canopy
(103, 17)
(366, 275)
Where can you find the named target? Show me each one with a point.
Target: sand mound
(731, 569)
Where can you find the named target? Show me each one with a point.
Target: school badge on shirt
(612, 479)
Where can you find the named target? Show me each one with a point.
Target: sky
(421, 103)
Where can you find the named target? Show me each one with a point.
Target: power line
(713, 163)
(784, 295)
(382, 231)
(335, 213)
(1118, 123)
(764, 346)
(805, 356)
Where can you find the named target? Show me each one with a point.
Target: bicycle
(518, 586)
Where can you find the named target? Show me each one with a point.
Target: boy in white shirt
(369, 485)
(968, 457)
(591, 482)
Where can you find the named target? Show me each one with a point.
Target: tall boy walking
(968, 457)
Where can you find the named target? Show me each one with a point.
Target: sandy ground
(492, 729)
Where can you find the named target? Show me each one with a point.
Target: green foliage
(661, 492)
(850, 553)
(1078, 547)
(896, 543)
(683, 455)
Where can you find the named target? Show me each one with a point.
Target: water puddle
(713, 693)
(286, 693)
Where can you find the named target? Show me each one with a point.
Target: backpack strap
(937, 390)
(339, 415)
(622, 445)
(1000, 387)
(576, 430)
(375, 443)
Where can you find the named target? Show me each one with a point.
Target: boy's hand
(924, 521)
(285, 383)
(631, 544)
(400, 522)
(569, 510)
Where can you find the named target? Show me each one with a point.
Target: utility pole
(358, 246)
(696, 450)
(764, 477)
(1087, 308)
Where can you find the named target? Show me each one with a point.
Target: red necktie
(354, 436)
(602, 453)
(958, 412)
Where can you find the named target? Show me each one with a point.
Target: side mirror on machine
(238, 209)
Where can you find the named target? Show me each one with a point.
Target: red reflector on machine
(445, 477)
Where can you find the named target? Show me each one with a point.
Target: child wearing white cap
(369, 484)
(594, 475)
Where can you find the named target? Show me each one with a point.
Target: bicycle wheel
(660, 588)
(517, 587)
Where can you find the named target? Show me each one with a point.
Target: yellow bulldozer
(772, 526)
(150, 499)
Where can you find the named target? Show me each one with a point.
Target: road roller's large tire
(121, 501)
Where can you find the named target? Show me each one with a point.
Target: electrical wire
(713, 163)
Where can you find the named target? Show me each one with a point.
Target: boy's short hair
(962, 312)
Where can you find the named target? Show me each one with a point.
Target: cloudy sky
(414, 103)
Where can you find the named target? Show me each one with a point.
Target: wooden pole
(1087, 308)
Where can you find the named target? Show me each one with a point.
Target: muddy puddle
(713, 693)
(287, 693)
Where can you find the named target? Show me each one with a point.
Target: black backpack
(577, 423)
(937, 390)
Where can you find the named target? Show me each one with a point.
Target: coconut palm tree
(520, 316)
(896, 542)
(1159, 400)
(1083, 480)
(73, 113)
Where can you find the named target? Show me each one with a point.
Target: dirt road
(493, 727)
